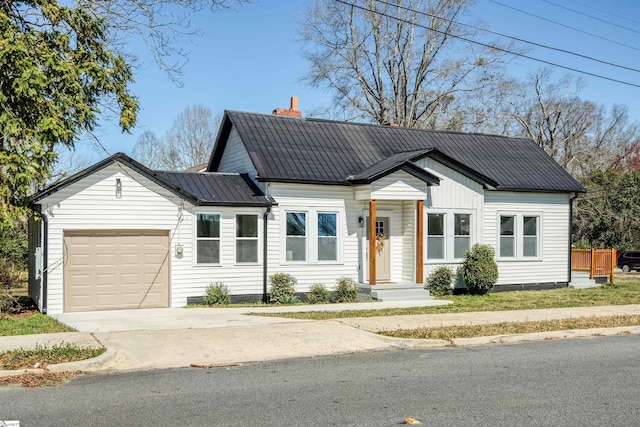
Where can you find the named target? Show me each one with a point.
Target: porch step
(400, 292)
(580, 280)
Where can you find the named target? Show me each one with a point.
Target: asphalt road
(586, 382)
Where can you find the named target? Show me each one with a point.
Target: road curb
(87, 365)
(511, 338)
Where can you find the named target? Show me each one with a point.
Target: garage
(115, 269)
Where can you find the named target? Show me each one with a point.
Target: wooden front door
(383, 257)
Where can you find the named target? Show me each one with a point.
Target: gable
(235, 157)
(399, 185)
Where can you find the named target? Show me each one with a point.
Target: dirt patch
(45, 379)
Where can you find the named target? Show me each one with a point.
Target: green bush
(346, 291)
(479, 269)
(318, 294)
(439, 281)
(282, 289)
(217, 294)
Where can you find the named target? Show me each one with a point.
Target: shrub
(479, 269)
(318, 294)
(282, 289)
(439, 281)
(346, 291)
(217, 294)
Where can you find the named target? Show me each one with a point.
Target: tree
(188, 142)
(159, 24)
(149, 150)
(401, 63)
(580, 135)
(191, 137)
(609, 214)
(55, 73)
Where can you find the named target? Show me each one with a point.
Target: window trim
(337, 237)
(256, 239)
(196, 239)
(443, 237)
(312, 233)
(285, 236)
(519, 236)
(449, 233)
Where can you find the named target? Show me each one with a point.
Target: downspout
(265, 220)
(45, 263)
(571, 199)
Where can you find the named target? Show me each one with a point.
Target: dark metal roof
(322, 151)
(228, 190)
(218, 188)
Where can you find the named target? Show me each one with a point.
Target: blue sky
(250, 60)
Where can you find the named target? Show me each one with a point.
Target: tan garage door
(116, 269)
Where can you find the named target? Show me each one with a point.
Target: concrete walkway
(232, 337)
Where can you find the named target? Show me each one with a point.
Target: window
(435, 236)
(530, 236)
(507, 236)
(246, 238)
(208, 238)
(461, 234)
(520, 236)
(296, 245)
(327, 237)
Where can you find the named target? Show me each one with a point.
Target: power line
(591, 16)
(553, 64)
(565, 26)
(514, 38)
(606, 11)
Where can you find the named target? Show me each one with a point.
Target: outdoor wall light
(360, 221)
(118, 188)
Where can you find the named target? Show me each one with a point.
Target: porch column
(372, 242)
(420, 241)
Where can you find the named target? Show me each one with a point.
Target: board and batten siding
(552, 267)
(91, 203)
(235, 158)
(398, 186)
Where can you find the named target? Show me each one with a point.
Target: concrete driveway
(157, 319)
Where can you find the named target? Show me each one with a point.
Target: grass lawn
(29, 321)
(43, 356)
(626, 291)
(470, 331)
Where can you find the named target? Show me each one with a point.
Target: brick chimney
(292, 111)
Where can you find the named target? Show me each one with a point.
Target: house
(288, 194)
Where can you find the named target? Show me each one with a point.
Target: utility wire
(591, 16)
(513, 37)
(565, 26)
(606, 11)
(553, 64)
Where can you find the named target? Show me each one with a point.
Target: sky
(250, 59)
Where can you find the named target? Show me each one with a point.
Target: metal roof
(307, 150)
(218, 188)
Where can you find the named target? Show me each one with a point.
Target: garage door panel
(120, 269)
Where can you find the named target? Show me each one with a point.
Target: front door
(382, 249)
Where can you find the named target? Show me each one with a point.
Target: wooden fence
(598, 262)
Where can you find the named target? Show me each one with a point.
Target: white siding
(554, 209)
(315, 198)
(92, 204)
(398, 186)
(455, 194)
(235, 157)
(409, 242)
(455, 190)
